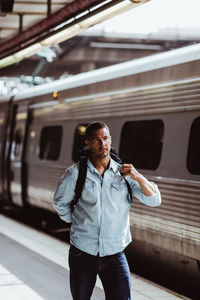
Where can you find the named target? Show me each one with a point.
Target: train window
(193, 155)
(50, 142)
(79, 143)
(141, 143)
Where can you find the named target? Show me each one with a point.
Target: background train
(152, 106)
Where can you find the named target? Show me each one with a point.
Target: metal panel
(180, 202)
(40, 192)
(158, 100)
(175, 225)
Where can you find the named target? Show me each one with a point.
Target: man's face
(100, 143)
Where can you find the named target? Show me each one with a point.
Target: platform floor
(34, 266)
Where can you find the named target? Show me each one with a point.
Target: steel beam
(6, 5)
(43, 27)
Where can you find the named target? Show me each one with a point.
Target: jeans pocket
(75, 251)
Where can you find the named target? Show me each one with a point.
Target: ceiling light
(62, 36)
(9, 60)
(27, 52)
(126, 46)
(89, 21)
(108, 13)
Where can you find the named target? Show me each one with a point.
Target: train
(152, 107)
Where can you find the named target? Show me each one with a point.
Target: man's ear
(87, 143)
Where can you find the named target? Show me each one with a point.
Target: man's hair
(92, 127)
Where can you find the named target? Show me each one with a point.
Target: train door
(18, 166)
(3, 126)
(6, 175)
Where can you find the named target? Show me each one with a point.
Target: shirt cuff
(155, 199)
(67, 218)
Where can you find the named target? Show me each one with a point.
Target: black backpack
(84, 154)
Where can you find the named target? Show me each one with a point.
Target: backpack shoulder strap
(129, 189)
(80, 180)
(115, 156)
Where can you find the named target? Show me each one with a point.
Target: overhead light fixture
(27, 52)
(62, 36)
(9, 60)
(108, 13)
(96, 18)
(79, 24)
(126, 46)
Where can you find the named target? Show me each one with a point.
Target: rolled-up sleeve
(64, 195)
(153, 201)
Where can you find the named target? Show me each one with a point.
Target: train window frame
(192, 161)
(78, 142)
(47, 135)
(132, 131)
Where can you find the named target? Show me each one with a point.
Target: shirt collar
(113, 165)
(90, 166)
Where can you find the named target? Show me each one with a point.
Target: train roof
(152, 62)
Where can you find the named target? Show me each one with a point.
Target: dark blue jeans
(113, 271)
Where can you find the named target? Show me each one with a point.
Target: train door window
(79, 143)
(141, 143)
(50, 142)
(17, 143)
(193, 155)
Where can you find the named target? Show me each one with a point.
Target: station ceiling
(18, 15)
(82, 53)
(26, 23)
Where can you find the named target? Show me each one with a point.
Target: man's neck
(101, 164)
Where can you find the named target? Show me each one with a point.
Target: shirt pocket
(119, 191)
(89, 191)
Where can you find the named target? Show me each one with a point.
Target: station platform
(34, 266)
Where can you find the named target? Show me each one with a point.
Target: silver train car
(152, 106)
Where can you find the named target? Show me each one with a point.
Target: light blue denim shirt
(100, 220)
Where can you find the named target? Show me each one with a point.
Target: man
(100, 221)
